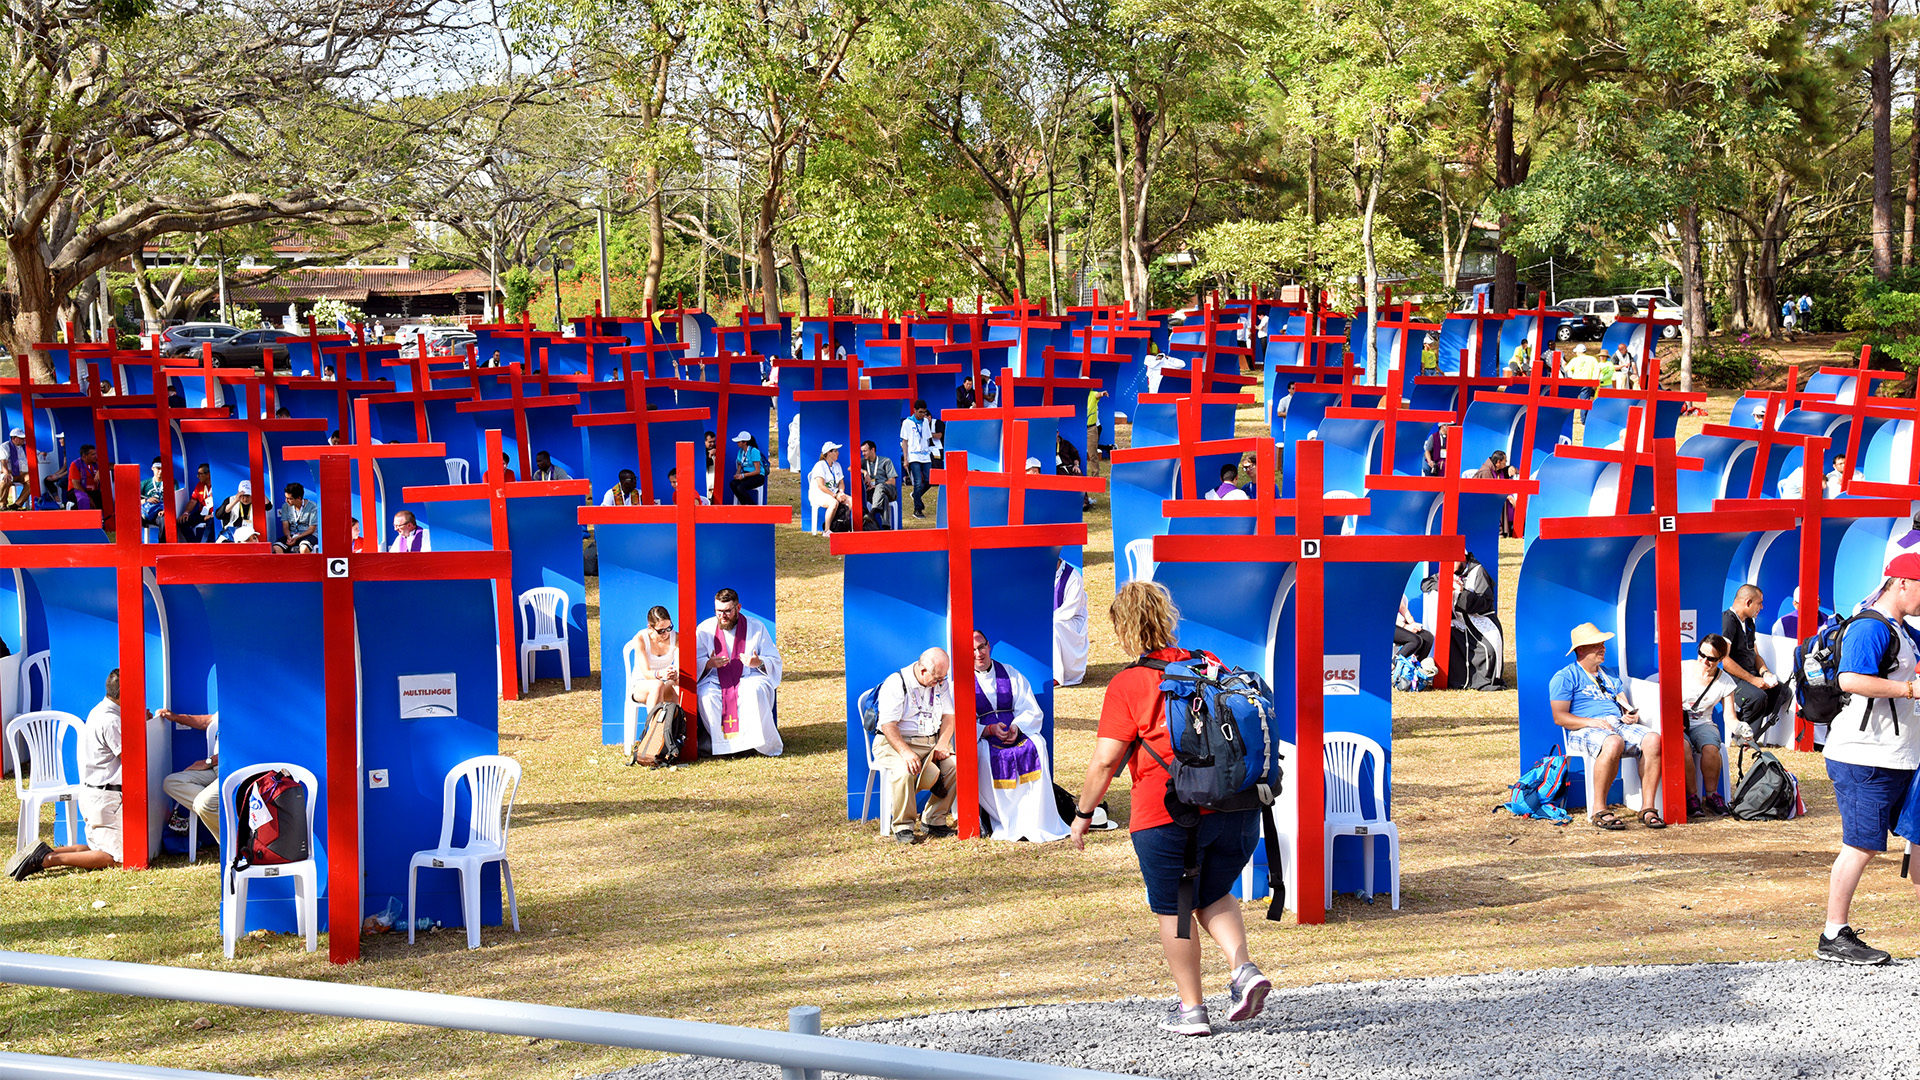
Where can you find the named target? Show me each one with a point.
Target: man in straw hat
(1872, 747)
(1602, 725)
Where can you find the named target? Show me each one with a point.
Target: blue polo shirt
(1585, 699)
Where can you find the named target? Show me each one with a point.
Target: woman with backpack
(658, 649)
(1147, 624)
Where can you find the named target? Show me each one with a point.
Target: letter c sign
(337, 567)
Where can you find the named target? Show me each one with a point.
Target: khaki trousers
(903, 787)
(199, 791)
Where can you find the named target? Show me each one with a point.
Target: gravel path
(1792, 1019)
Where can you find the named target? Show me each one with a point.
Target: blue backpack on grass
(1537, 793)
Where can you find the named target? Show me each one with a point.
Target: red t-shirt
(1133, 710)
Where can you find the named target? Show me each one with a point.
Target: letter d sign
(1310, 548)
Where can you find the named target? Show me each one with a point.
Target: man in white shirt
(1873, 747)
(1702, 686)
(916, 449)
(739, 670)
(1016, 777)
(99, 796)
(407, 533)
(1069, 625)
(197, 787)
(913, 748)
(624, 493)
(827, 489)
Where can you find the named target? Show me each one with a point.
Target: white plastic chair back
(36, 738)
(1344, 753)
(228, 787)
(629, 656)
(456, 470)
(1140, 559)
(493, 781)
(546, 603)
(36, 669)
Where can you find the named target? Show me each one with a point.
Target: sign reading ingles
(423, 696)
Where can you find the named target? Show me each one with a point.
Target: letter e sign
(1669, 523)
(337, 567)
(1310, 548)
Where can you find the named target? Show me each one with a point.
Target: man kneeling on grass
(1601, 724)
(99, 797)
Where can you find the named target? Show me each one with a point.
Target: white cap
(743, 437)
(1580, 348)
(1033, 463)
(246, 487)
(829, 445)
(17, 433)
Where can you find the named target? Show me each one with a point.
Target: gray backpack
(1767, 792)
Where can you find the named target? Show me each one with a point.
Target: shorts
(1869, 799)
(101, 809)
(1226, 842)
(1589, 740)
(1703, 735)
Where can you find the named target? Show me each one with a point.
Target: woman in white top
(827, 488)
(648, 685)
(1704, 685)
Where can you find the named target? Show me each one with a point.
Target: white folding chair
(1140, 559)
(629, 708)
(40, 773)
(543, 628)
(1286, 826)
(305, 873)
(456, 470)
(492, 782)
(1346, 813)
(36, 669)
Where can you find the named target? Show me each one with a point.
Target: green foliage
(247, 318)
(1886, 316)
(518, 283)
(1727, 364)
(1263, 253)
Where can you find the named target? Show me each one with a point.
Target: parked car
(451, 342)
(1577, 325)
(186, 338)
(250, 347)
(1605, 308)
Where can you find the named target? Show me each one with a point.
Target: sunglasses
(663, 631)
(1710, 659)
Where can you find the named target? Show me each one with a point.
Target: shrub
(1730, 365)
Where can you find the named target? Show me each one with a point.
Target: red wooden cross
(208, 371)
(1392, 410)
(364, 452)
(1649, 373)
(1024, 319)
(960, 538)
(335, 568)
(852, 395)
(368, 356)
(650, 355)
(1191, 445)
(496, 489)
(518, 401)
(128, 555)
(1479, 320)
(1450, 485)
(1110, 326)
(1206, 352)
(317, 343)
(1309, 549)
(723, 391)
(158, 407)
(1014, 477)
(1864, 403)
(1402, 320)
(1322, 355)
(1054, 389)
(1537, 395)
(256, 424)
(826, 340)
(911, 366)
(1635, 451)
(1666, 525)
(641, 418)
(23, 386)
(686, 515)
(1650, 395)
(1767, 435)
(974, 355)
(1540, 312)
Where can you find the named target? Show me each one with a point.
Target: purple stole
(1060, 575)
(729, 674)
(1011, 765)
(411, 541)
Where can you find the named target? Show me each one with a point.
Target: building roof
(355, 286)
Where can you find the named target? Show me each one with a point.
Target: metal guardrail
(36, 1067)
(798, 1055)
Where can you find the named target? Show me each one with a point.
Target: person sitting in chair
(879, 484)
(1016, 778)
(1600, 723)
(913, 747)
(83, 480)
(153, 496)
(407, 533)
(1229, 483)
(1702, 686)
(1069, 624)
(1757, 693)
(624, 493)
(658, 649)
(738, 670)
(13, 470)
(827, 489)
(196, 521)
(299, 521)
(233, 522)
(197, 787)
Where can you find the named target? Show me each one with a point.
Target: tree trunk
(1053, 238)
(36, 314)
(143, 289)
(1143, 125)
(763, 229)
(656, 236)
(1739, 289)
(1880, 96)
(1124, 264)
(801, 285)
(1693, 288)
(1506, 175)
(1913, 187)
(1373, 280)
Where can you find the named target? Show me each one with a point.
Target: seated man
(13, 470)
(827, 489)
(624, 493)
(83, 479)
(1229, 483)
(196, 787)
(1587, 702)
(1069, 625)
(879, 485)
(407, 533)
(672, 497)
(544, 470)
(99, 755)
(1757, 693)
(299, 521)
(153, 496)
(1016, 779)
(915, 706)
(738, 669)
(1702, 686)
(233, 522)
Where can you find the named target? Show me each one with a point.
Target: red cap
(1905, 565)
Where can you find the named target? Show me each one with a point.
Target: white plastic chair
(1140, 559)
(456, 470)
(305, 873)
(543, 628)
(40, 773)
(193, 820)
(1344, 752)
(1286, 826)
(873, 770)
(36, 666)
(492, 781)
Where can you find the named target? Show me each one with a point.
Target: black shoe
(177, 822)
(905, 836)
(28, 863)
(1847, 948)
(941, 832)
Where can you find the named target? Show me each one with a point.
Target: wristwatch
(1086, 815)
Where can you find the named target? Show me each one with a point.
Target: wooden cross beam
(364, 453)
(517, 402)
(1192, 445)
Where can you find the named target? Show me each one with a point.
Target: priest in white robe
(739, 668)
(1069, 625)
(1016, 775)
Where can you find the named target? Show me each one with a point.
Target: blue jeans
(917, 472)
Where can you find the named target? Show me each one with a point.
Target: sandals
(1607, 820)
(1651, 819)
